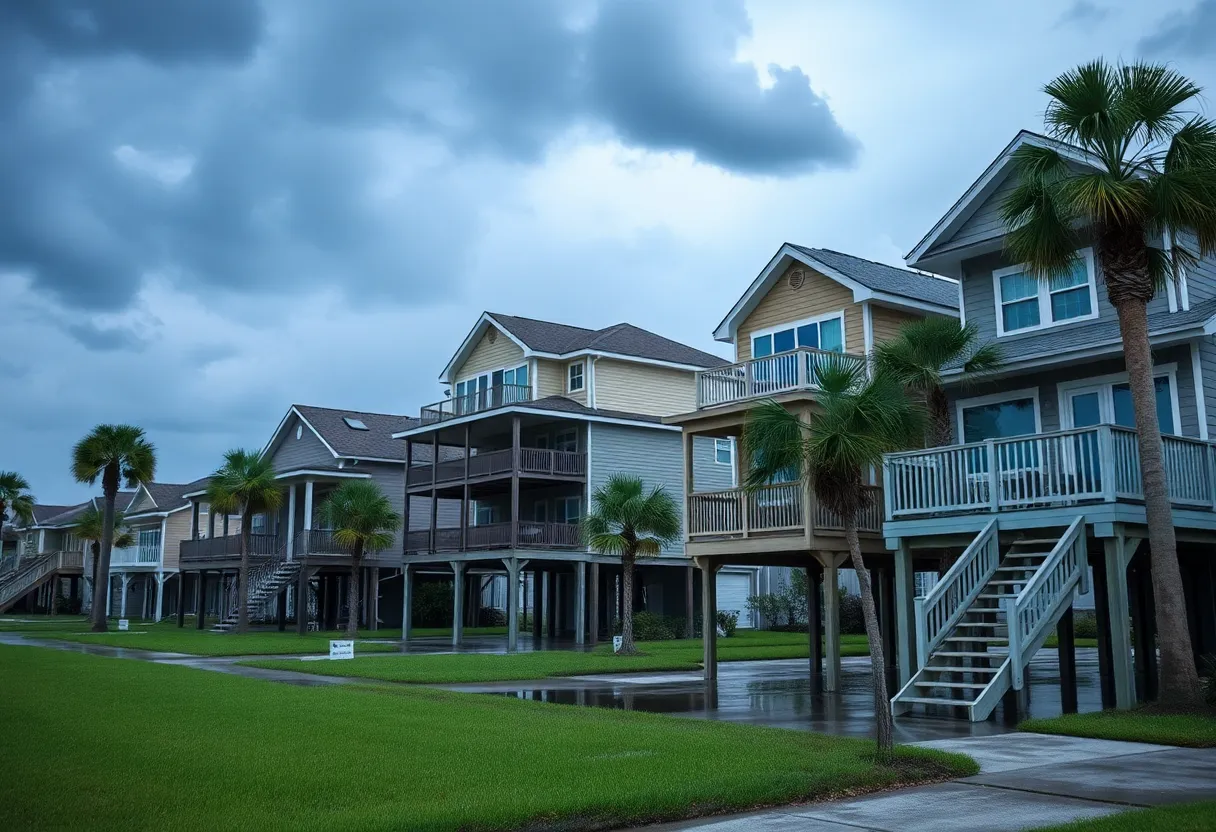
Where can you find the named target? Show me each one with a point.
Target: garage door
(733, 589)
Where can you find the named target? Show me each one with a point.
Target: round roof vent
(797, 278)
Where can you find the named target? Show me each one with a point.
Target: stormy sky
(215, 208)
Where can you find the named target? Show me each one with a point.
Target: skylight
(354, 424)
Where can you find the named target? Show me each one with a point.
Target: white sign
(617, 641)
(124, 624)
(341, 649)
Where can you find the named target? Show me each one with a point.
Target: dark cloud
(105, 338)
(1189, 33)
(1083, 13)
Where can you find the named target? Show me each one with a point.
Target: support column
(1065, 636)
(200, 608)
(160, 596)
(125, 579)
(282, 610)
(302, 600)
(291, 521)
(905, 613)
(515, 482)
(194, 504)
(690, 611)
(513, 567)
(373, 598)
(1106, 682)
(549, 589)
(1144, 629)
(1117, 557)
(814, 623)
(308, 489)
(458, 568)
(181, 599)
(885, 580)
(831, 621)
(580, 604)
(538, 607)
(407, 603)
(709, 609)
(594, 605)
(210, 522)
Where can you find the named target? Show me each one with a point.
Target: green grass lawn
(162, 747)
(1188, 817)
(1191, 731)
(33, 624)
(441, 669)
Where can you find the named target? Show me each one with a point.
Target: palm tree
(244, 485)
(15, 496)
(113, 453)
(363, 520)
(628, 522)
(1150, 176)
(921, 354)
(90, 526)
(857, 421)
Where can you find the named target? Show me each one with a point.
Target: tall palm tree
(1151, 177)
(363, 520)
(857, 420)
(244, 485)
(921, 354)
(628, 522)
(90, 526)
(114, 453)
(15, 496)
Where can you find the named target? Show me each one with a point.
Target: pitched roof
(883, 278)
(170, 496)
(42, 513)
(374, 443)
(565, 405)
(621, 339)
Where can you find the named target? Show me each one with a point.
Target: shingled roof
(170, 496)
(374, 443)
(883, 278)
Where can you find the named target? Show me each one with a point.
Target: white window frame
(489, 376)
(815, 319)
(1106, 385)
(998, 398)
(1045, 293)
(562, 502)
(581, 366)
(730, 451)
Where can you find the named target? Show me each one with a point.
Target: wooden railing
(215, 548)
(767, 376)
(320, 542)
(869, 519)
(29, 574)
(773, 508)
(494, 463)
(950, 597)
(499, 395)
(556, 463)
(1100, 463)
(531, 535)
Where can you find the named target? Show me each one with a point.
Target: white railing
(947, 602)
(1033, 611)
(767, 376)
(1100, 463)
(135, 555)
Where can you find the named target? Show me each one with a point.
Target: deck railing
(489, 398)
(773, 508)
(1093, 464)
(531, 535)
(542, 461)
(214, 548)
(947, 602)
(767, 376)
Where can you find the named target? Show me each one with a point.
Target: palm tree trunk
(96, 548)
(101, 588)
(352, 594)
(1178, 685)
(941, 431)
(883, 721)
(242, 575)
(627, 604)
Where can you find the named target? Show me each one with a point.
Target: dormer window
(1025, 303)
(574, 377)
(354, 424)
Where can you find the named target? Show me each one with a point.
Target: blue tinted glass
(1125, 414)
(508, 377)
(762, 346)
(1086, 410)
(831, 336)
(1077, 275)
(998, 421)
(783, 341)
(1018, 286)
(521, 375)
(1021, 314)
(808, 335)
(1071, 304)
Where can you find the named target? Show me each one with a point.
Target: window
(492, 389)
(724, 452)
(574, 377)
(566, 440)
(540, 512)
(999, 420)
(1109, 402)
(517, 376)
(569, 509)
(826, 334)
(484, 513)
(353, 423)
(1025, 303)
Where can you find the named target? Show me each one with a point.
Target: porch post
(200, 591)
(181, 598)
(281, 611)
(548, 586)
(194, 519)
(905, 622)
(407, 603)
(831, 622)
(373, 598)
(126, 581)
(814, 623)
(512, 566)
(302, 601)
(160, 596)
(458, 568)
(1068, 662)
(580, 604)
(210, 521)
(291, 521)
(594, 623)
(515, 481)
(709, 608)
(1117, 558)
(308, 485)
(225, 524)
(538, 607)
(690, 612)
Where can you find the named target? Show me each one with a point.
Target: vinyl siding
(1200, 278)
(579, 396)
(1207, 363)
(641, 388)
(550, 378)
(657, 456)
(888, 321)
(985, 223)
(140, 503)
(307, 451)
(488, 356)
(177, 529)
(818, 295)
(707, 473)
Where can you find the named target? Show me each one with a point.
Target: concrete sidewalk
(1026, 781)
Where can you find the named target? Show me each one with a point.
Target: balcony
(770, 511)
(1090, 465)
(785, 372)
(227, 548)
(496, 536)
(490, 398)
(320, 542)
(540, 462)
(146, 555)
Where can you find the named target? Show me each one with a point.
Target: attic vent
(492, 335)
(354, 424)
(797, 278)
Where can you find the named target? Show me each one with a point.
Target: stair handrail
(1031, 611)
(259, 575)
(45, 563)
(948, 600)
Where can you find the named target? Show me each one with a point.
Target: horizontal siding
(707, 473)
(1201, 277)
(579, 396)
(304, 452)
(1207, 363)
(818, 295)
(494, 351)
(641, 388)
(985, 222)
(177, 529)
(887, 322)
(550, 378)
(657, 456)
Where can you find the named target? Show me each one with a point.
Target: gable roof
(869, 280)
(43, 513)
(553, 340)
(167, 496)
(376, 444)
(984, 186)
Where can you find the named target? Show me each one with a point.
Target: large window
(724, 452)
(478, 392)
(1025, 303)
(825, 334)
(1109, 401)
(998, 419)
(569, 509)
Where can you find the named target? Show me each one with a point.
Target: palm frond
(1082, 111)
(359, 513)
(122, 446)
(246, 481)
(773, 442)
(1147, 100)
(624, 515)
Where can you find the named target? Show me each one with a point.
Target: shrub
(1207, 681)
(1085, 624)
(433, 604)
(67, 606)
(852, 620)
(785, 607)
(648, 626)
(728, 622)
(491, 617)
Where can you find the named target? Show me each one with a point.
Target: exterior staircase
(266, 580)
(981, 625)
(33, 572)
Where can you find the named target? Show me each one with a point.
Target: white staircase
(980, 626)
(33, 572)
(266, 580)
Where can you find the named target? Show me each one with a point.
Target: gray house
(539, 415)
(1044, 479)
